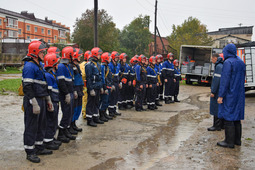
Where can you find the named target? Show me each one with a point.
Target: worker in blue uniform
(177, 79)
(36, 100)
(94, 87)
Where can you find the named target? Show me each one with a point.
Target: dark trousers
(161, 88)
(35, 126)
(139, 95)
(113, 98)
(123, 95)
(130, 94)
(92, 107)
(52, 123)
(152, 94)
(176, 88)
(77, 108)
(67, 110)
(169, 87)
(104, 101)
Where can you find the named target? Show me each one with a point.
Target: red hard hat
(78, 52)
(105, 58)
(68, 52)
(114, 55)
(136, 56)
(51, 60)
(87, 55)
(159, 56)
(53, 50)
(141, 57)
(96, 51)
(152, 58)
(176, 61)
(170, 55)
(133, 60)
(123, 55)
(221, 55)
(34, 48)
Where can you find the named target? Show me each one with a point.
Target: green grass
(9, 85)
(10, 70)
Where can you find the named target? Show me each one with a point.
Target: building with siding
(24, 26)
(236, 35)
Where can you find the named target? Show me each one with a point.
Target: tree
(135, 37)
(108, 34)
(191, 32)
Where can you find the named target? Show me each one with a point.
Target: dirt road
(173, 137)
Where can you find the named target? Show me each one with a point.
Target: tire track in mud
(167, 139)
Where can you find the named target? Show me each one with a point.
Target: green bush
(11, 70)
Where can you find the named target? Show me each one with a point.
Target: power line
(143, 6)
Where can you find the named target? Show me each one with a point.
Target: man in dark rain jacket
(217, 123)
(232, 96)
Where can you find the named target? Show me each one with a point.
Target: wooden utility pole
(95, 23)
(155, 29)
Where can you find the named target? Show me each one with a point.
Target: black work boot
(121, 107)
(106, 115)
(155, 106)
(43, 152)
(71, 130)
(161, 98)
(102, 117)
(90, 122)
(111, 114)
(157, 103)
(51, 145)
(229, 137)
(138, 109)
(97, 120)
(57, 142)
(117, 113)
(176, 99)
(128, 106)
(171, 100)
(167, 101)
(76, 128)
(238, 133)
(216, 124)
(150, 107)
(69, 135)
(61, 136)
(33, 158)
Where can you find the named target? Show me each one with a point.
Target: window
(55, 37)
(42, 30)
(0, 34)
(0, 21)
(48, 41)
(28, 37)
(28, 27)
(12, 33)
(62, 33)
(35, 29)
(48, 32)
(36, 38)
(12, 23)
(19, 31)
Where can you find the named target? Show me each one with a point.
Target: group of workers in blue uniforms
(51, 80)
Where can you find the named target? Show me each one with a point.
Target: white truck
(247, 53)
(195, 63)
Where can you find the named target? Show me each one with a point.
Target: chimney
(24, 13)
(46, 19)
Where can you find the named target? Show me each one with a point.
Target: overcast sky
(213, 13)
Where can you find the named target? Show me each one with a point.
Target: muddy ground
(173, 137)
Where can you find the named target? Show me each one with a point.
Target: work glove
(36, 107)
(92, 93)
(120, 85)
(75, 94)
(113, 88)
(102, 91)
(68, 98)
(50, 107)
(106, 92)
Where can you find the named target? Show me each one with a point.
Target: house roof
(232, 30)
(31, 17)
(233, 37)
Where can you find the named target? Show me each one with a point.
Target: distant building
(236, 35)
(163, 46)
(24, 26)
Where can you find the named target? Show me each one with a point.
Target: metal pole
(95, 23)
(155, 29)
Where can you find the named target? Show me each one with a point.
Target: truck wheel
(188, 82)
